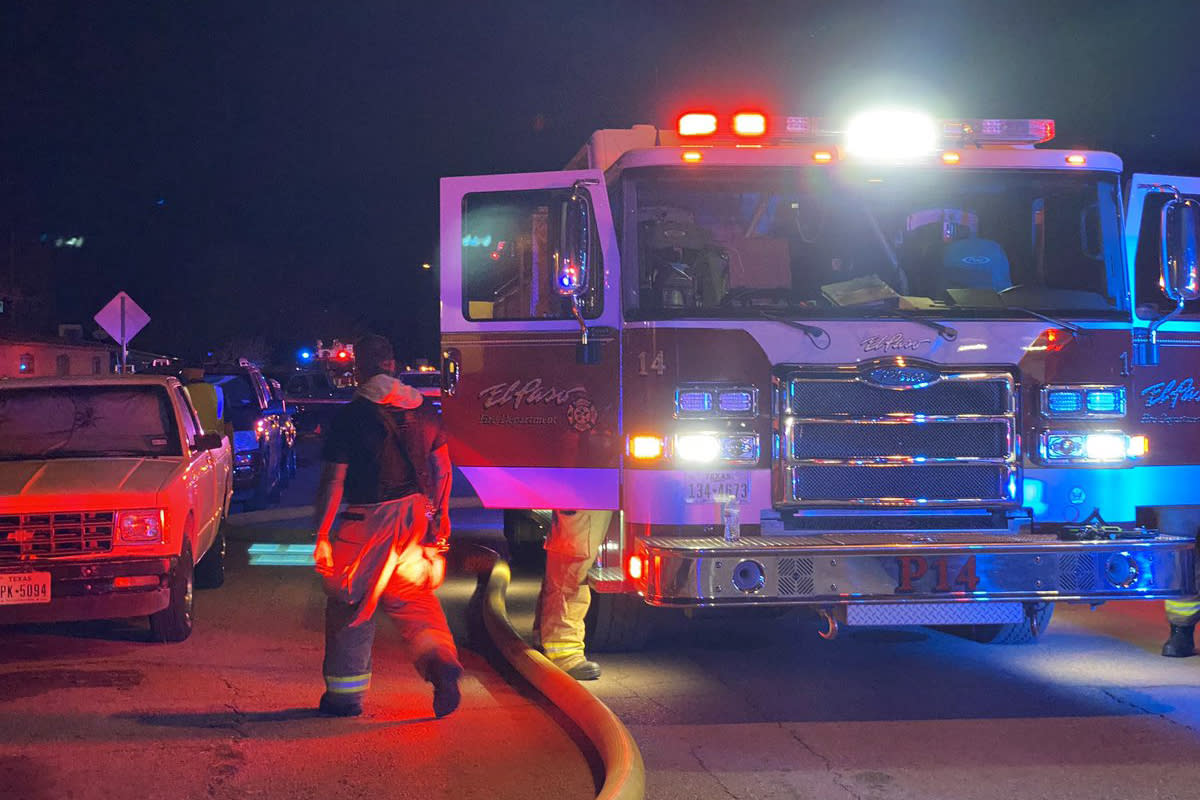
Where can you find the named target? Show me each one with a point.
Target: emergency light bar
(875, 126)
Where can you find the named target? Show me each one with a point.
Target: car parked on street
(112, 497)
(313, 398)
(261, 429)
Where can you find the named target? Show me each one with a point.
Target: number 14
(659, 364)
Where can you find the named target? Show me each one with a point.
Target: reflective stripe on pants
(1183, 612)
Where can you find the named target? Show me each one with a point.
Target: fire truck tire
(617, 623)
(1025, 632)
(525, 532)
(174, 623)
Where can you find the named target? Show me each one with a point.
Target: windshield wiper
(944, 331)
(1062, 323)
(816, 334)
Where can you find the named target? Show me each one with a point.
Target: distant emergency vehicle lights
(569, 279)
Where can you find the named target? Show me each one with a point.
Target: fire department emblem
(582, 414)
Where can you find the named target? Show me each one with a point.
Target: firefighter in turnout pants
(571, 549)
(386, 455)
(1181, 614)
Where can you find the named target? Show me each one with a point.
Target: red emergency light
(342, 354)
(697, 123)
(750, 123)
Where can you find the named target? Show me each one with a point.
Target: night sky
(271, 168)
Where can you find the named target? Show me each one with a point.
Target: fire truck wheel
(174, 623)
(1025, 632)
(617, 622)
(525, 532)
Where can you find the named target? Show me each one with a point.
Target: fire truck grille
(795, 577)
(929, 440)
(824, 397)
(924, 437)
(70, 533)
(901, 482)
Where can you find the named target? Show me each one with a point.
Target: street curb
(624, 770)
(306, 512)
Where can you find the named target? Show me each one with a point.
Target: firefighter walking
(571, 549)
(385, 454)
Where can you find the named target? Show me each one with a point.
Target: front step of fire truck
(942, 577)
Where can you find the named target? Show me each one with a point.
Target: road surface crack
(695, 751)
(837, 777)
(1127, 701)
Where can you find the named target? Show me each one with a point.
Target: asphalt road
(92, 710)
(743, 709)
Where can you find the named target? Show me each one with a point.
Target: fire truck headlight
(698, 447)
(1106, 446)
(891, 134)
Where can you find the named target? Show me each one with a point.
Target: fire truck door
(1164, 401)
(531, 413)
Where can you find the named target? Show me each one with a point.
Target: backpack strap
(406, 436)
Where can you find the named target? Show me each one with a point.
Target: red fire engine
(898, 370)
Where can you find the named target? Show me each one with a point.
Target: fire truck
(897, 370)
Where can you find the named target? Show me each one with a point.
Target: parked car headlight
(143, 526)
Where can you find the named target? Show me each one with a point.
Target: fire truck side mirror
(1180, 263)
(571, 279)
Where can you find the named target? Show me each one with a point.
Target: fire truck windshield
(824, 241)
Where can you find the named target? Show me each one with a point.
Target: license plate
(24, 587)
(718, 487)
(935, 573)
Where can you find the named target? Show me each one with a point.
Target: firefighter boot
(578, 667)
(443, 673)
(1180, 644)
(332, 705)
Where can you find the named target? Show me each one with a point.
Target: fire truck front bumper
(925, 567)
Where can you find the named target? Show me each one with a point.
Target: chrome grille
(846, 440)
(967, 439)
(63, 533)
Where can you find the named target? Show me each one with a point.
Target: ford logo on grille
(900, 377)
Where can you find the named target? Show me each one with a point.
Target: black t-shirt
(377, 469)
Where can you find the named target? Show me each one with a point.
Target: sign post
(122, 319)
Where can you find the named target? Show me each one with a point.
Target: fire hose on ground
(624, 772)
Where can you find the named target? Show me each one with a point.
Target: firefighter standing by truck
(1182, 614)
(386, 453)
(571, 548)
